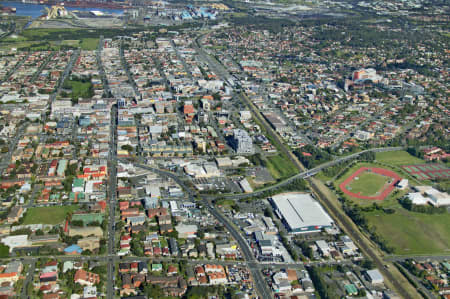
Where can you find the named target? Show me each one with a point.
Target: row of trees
(355, 212)
(313, 156)
(427, 209)
(325, 290)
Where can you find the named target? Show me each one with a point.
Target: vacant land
(48, 215)
(397, 158)
(280, 167)
(413, 233)
(368, 184)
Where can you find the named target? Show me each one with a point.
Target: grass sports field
(409, 233)
(48, 215)
(397, 158)
(413, 233)
(368, 184)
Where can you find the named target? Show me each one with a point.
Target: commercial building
(17, 241)
(301, 213)
(374, 276)
(276, 122)
(366, 74)
(241, 142)
(186, 230)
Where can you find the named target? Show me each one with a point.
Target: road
(323, 197)
(42, 66)
(65, 74)
(360, 240)
(11, 147)
(360, 126)
(428, 293)
(260, 284)
(112, 192)
(18, 64)
(419, 258)
(127, 70)
(254, 266)
(28, 278)
(302, 174)
(100, 67)
(252, 263)
(187, 69)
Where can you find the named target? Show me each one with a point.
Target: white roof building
(323, 247)
(245, 185)
(417, 198)
(186, 230)
(90, 291)
(301, 213)
(403, 184)
(16, 241)
(224, 162)
(438, 198)
(374, 276)
(427, 194)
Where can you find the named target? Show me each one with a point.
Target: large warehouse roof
(300, 211)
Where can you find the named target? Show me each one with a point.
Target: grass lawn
(225, 202)
(70, 42)
(89, 44)
(367, 184)
(323, 177)
(48, 215)
(413, 233)
(32, 45)
(279, 167)
(397, 158)
(79, 89)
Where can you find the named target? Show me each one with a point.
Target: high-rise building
(241, 142)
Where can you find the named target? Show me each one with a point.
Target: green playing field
(368, 184)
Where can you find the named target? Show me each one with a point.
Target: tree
(268, 212)
(367, 264)
(77, 223)
(4, 250)
(127, 147)
(152, 291)
(136, 247)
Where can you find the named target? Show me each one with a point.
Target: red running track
(381, 171)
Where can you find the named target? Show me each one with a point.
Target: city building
(301, 213)
(241, 142)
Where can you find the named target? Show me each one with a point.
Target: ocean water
(36, 10)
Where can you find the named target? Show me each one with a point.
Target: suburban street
(339, 216)
(249, 157)
(112, 200)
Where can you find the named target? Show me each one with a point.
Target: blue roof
(73, 248)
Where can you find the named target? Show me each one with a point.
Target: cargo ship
(7, 10)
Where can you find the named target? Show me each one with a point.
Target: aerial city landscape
(225, 149)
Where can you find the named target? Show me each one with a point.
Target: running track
(381, 171)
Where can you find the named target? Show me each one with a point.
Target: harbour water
(36, 10)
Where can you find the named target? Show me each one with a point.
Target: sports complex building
(301, 213)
